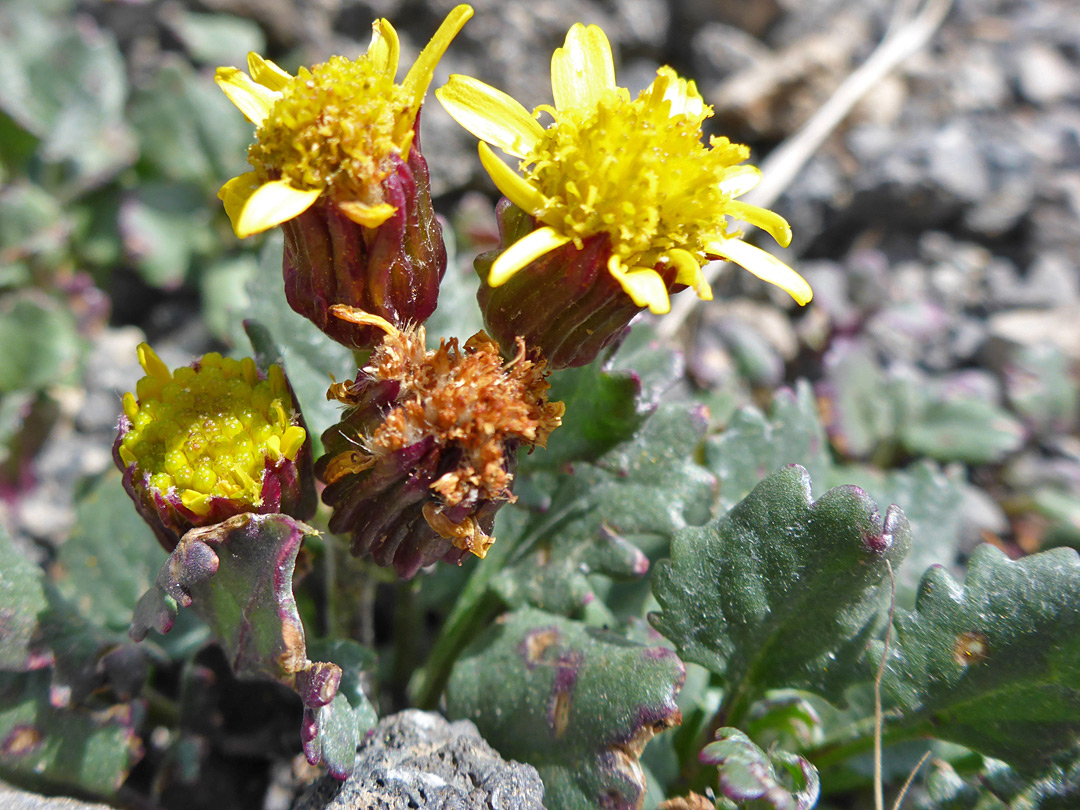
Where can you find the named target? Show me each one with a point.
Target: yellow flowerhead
(202, 443)
(335, 129)
(633, 169)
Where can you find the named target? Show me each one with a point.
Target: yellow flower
(636, 170)
(335, 129)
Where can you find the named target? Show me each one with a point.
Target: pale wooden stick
(785, 162)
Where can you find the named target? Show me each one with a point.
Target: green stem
(861, 741)
(474, 608)
(408, 619)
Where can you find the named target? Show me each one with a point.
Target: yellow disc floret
(635, 170)
(333, 128)
(632, 169)
(207, 432)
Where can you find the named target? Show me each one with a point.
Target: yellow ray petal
(763, 265)
(490, 115)
(643, 285)
(384, 48)
(253, 99)
(515, 187)
(769, 221)
(740, 179)
(523, 251)
(419, 76)
(271, 204)
(689, 272)
(582, 70)
(235, 194)
(266, 73)
(370, 216)
(681, 94)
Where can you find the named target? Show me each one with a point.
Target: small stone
(1044, 75)
(12, 799)
(417, 759)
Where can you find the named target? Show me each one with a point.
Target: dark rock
(418, 760)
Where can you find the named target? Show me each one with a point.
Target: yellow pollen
(207, 432)
(630, 169)
(334, 127)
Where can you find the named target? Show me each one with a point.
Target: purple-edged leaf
(635, 496)
(777, 779)
(237, 576)
(993, 664)
(49, 748)
(783, 591)
(331, 732)
(577, 703)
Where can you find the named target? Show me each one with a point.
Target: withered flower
(425, 454)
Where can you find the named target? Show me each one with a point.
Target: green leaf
(753, 445)
(931, 501)
(22, 601)
(636, 496)
(39, 629)
(110, 559)
(750, 777)
(577, 703)
(165, 227)
(1043, 388)
(606, 402)
(216, 39)
(996, 786)
(48, 748)
(993, 664)
(33, 227)
(189, 132)
(783, 591)
(221, 285)
(66, 84)
(337, 729)
(40, 339)
(862, 412)
(237, 576)
(962, 429)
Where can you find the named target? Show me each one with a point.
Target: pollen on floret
(334, 127)
(206, 432)
(631, 169)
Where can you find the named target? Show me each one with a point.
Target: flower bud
(425, 454)
(207, 442)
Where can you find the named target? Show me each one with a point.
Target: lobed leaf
(237, 576)
(783, 591)
(601, 515)
(993, 664)
(608, 402)
(576, 702)
(777, 779)
(754, 445)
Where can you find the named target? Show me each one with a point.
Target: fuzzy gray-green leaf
(783, 591)
(640, 492)
(993, 664)
(576, 702)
